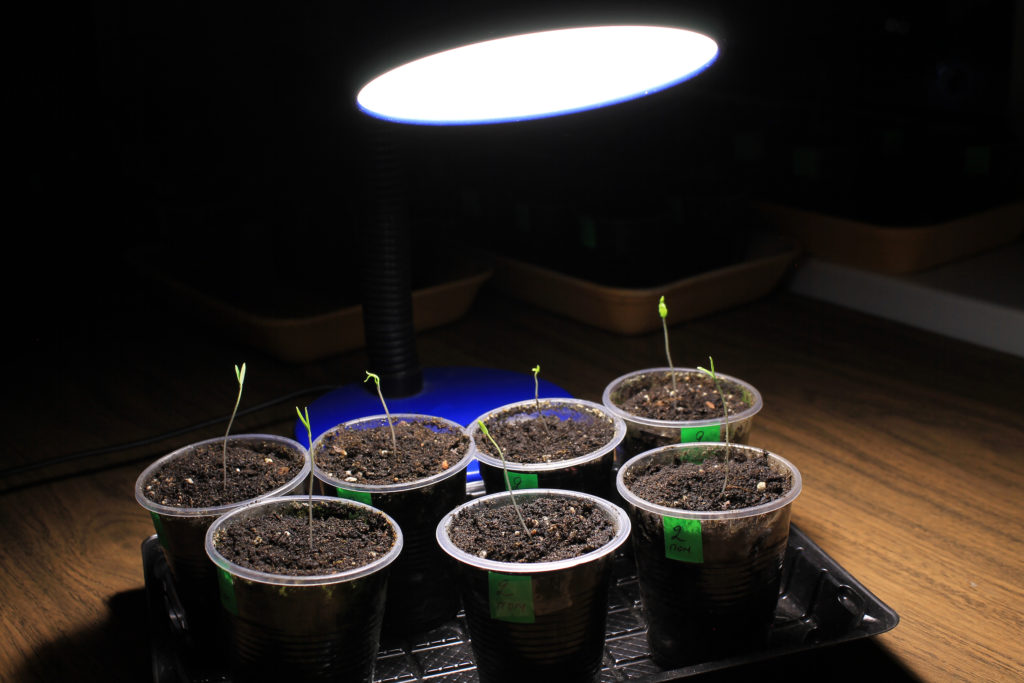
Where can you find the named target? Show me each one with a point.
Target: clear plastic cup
(182, 533)
(422, 593)
(644, 433)
(536, 620)
(590, 473)
(709, 581)
(304, 628)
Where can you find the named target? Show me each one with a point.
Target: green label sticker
(708, 433)
(511, 597)
(522, 480)
(358, 496)
(683, 539)
(158, 524)
(227, 590)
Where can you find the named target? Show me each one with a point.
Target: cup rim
(452, 470)
(619, 425)
(606, 399)
(617, 515)
(300, 580)
(216, 510)
(680, 513)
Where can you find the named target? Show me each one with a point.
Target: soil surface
(367, 456)
(559, 529)
(695, 397)
(699, 486)
(197, 481)
(526, 436)
(278, 543)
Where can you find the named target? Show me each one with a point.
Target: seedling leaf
(240, 376)
(376, 380)
(536, 396)
(663, 312)
(304, 419)
(508, 483)
(725, 407)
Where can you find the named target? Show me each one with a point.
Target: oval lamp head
(537, 75)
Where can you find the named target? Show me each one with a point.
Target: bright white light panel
(537, 75)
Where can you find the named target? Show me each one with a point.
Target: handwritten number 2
(677, 532)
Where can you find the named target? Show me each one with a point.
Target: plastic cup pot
(182, 532)
(589, 472)
(282, 627)
(644, 433)
(709, 581)
(537, 620)
(422, 592)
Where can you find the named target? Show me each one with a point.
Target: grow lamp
(517, 78)
(537, 75)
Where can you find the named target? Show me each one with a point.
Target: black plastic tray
(819, 604)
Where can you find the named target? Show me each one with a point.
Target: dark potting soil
(278, 542)
(367, 456)
(560, 529)
(694, 398)
(525, 436)
(699, 486)
(197, 481)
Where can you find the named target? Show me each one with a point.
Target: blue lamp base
(460, 394)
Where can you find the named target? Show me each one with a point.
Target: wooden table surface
(911, 448)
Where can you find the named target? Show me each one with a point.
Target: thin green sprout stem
(240, 376)
(312, 468)
(376, 380)
(725, 407)
(508, 482)
(663, 312)
(536, 396)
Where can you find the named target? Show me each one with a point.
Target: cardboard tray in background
(312, 337)
(629, 310)
(896, 250)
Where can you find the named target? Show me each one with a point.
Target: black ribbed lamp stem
(387, 267)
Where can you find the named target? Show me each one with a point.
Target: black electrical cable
(82, 455)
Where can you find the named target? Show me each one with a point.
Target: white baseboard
(978, 300)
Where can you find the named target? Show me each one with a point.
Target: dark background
(225, 135)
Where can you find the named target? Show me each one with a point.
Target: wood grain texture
(911, 448)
